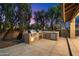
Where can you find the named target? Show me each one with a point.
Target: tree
(25, 14)
(38, 19)
(9, 14)
(55, 15)
(2, 17)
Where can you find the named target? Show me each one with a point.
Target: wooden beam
(70, 10)
(64, 12)
(68, 16)
(76, 11)
(70, 6)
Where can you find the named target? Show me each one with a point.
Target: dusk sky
(45, 6)
(40, 6)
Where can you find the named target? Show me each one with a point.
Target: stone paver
(74, 45)
(43, 47)
(61, 48)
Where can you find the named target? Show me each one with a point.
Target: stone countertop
(51, 31)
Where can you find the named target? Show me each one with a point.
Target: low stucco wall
(12, 35)
(2, 34)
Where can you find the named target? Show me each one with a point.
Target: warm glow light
(32, 39)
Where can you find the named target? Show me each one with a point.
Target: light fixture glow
(32, 39)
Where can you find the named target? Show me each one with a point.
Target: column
(72, 28)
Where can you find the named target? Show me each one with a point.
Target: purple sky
(40, 6)
(45, 6)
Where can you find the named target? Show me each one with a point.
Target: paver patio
(74, 45)
(43, 47)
